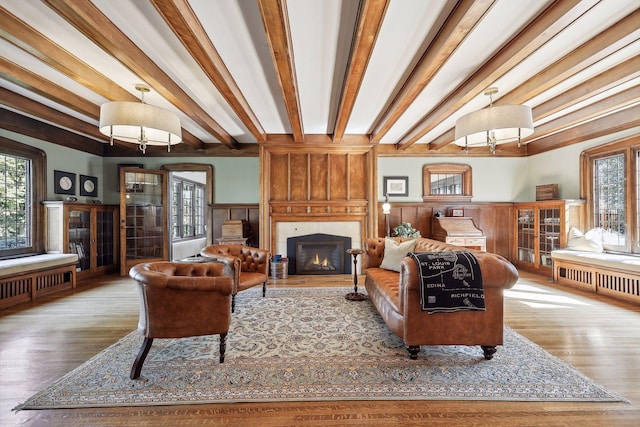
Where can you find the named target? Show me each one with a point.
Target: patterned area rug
(312, 344)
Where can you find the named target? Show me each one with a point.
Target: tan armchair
(250, 266)
(181, 300)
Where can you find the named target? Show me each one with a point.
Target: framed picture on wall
(64, 182)
(395, 186)
(88, 186)
(457, 212)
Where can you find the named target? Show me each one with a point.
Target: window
(21, 188)
(15, 200)
(610, 174)
(188, 209)
(609, 200)
(446, 182)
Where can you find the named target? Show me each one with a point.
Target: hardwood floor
(41, 341)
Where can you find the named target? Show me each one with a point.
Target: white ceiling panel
(321, 36)
(320, 50)
(493, 32)
(156, 40)
(401, 41)
(246, 55)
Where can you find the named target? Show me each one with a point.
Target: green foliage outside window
(14, 202)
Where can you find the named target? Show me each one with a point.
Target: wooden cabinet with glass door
(541, 227)
(85, 229)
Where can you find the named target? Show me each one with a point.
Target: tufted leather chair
(250, 266)
(181, 300)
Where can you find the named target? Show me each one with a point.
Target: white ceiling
(322, 33)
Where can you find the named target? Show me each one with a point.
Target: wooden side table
(355, 295)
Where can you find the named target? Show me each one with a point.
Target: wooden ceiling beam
(541, 30)
(91, 22)
(276, 24)
(27, 38)
(24, 125)
(616, 122)
(609, 41)
(26, 79)
(184, 23)
(36, 109)
(597, 109)
(465, 16)
(621, 73)
(596, 49)
(608, 79)
(370, 16)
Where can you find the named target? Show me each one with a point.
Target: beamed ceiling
(396, 73)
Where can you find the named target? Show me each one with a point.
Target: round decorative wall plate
(64, 182)
(88, 186)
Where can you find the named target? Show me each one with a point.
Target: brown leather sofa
(396, 296)
(181, 300)
(249, 266)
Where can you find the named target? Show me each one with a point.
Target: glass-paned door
(143, 217)
(526, 235)
(80, 236)
(549, 227)
(105, 247)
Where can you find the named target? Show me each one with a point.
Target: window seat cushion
(17, 266)
(601, 259)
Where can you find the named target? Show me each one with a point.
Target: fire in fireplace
(318, 254)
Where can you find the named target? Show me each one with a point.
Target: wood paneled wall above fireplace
(323, 182)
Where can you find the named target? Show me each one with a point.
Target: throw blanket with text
(449, 281)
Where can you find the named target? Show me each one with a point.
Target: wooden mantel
(315, 183)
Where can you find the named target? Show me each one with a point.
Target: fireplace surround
(319, 254)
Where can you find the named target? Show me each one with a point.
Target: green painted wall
(236, 179)
(64, 159)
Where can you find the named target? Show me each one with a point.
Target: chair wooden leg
(223, 346)
(264, 289)
(233, 303)
(142, 354)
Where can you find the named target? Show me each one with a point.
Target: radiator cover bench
(614, 275)
(27, 278)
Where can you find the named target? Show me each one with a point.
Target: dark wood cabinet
(88, 230)
(541, 227)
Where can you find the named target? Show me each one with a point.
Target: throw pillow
(591, 241)
(394, 251)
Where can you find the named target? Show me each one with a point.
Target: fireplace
(319, 254)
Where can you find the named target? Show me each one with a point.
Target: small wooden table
(355, 295)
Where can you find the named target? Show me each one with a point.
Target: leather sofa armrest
(374, 252)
